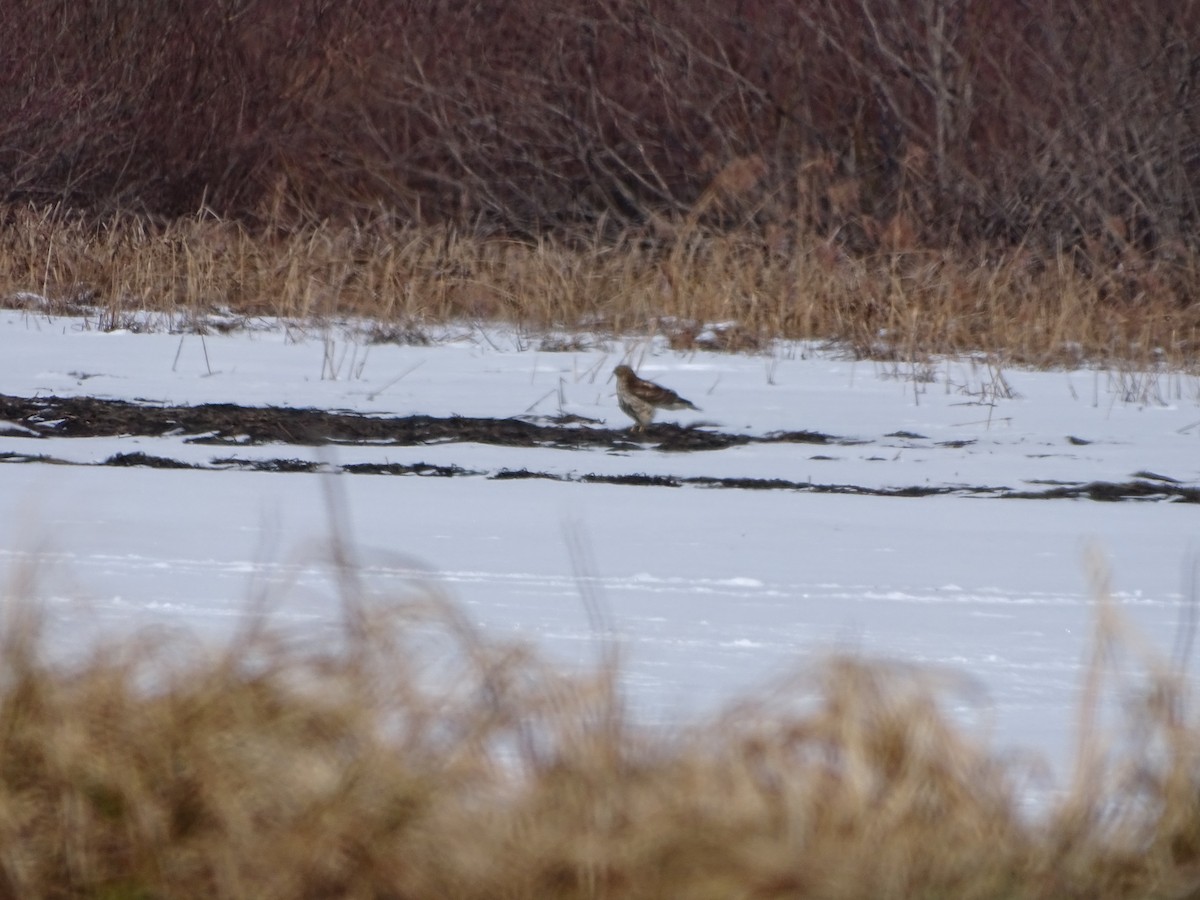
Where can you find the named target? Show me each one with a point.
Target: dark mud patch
(232, 425)
(1096, 490)
(145, 460)
(306, 466)
(1137, 490)
(1110, 492)
(302, 466)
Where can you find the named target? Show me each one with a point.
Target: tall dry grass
(411, 755)
(1018, 306)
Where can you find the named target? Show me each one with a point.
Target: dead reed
(1018, 307)
(413, 756)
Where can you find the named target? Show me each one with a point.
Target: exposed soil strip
(232, 425)
(1106, 491)
(229, 424)
(1096, 490)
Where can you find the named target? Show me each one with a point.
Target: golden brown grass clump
(410, 756)
(907, 304)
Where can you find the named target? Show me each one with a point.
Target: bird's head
(623, 372)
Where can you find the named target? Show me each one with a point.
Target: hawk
(639, 398)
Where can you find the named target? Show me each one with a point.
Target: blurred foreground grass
(409, 755)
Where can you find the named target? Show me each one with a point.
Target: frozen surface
(712, 592)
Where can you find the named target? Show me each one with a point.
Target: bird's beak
(613, 373)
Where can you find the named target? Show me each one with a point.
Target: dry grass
(412, 756)
(1020, 307)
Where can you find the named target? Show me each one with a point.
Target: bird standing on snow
(639, 398)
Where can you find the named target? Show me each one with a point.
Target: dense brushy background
(892, 123)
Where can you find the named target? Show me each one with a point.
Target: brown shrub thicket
(904, 177)
(892, 124)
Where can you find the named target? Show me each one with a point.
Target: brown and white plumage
(639, 398)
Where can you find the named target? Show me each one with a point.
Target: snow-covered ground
(713, 592)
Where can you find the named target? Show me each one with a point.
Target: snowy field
(713, 592)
